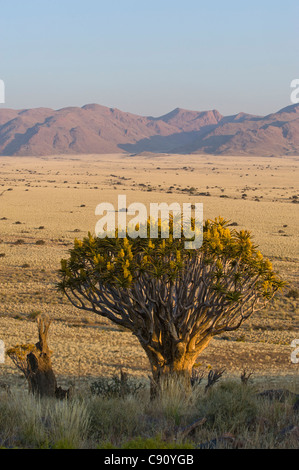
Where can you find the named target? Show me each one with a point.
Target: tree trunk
(41, 378)
(176, 366)
(166, 372)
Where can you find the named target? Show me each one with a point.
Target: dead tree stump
(40, 375)
(35, 363)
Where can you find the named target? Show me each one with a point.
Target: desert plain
(47, 202)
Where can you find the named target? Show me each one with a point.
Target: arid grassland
(229, 416)
(47, 202)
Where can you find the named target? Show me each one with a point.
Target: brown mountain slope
(98, 129)
(275, 134)
(91, 129)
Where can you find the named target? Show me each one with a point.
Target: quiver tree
(172, 299)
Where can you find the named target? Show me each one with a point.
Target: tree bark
(175, 367)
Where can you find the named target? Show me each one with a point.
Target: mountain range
(96, 129)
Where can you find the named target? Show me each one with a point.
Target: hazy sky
(149, 57)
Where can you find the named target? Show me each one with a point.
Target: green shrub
(229, 407)
(154, 443)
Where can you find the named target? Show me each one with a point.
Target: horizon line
(293, 105)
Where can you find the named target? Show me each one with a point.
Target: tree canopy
(173, 299)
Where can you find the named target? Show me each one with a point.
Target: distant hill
(95, 129)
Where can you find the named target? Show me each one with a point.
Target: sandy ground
(54, 199)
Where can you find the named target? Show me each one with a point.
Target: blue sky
(150, 57)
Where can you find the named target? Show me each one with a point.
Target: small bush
(116, 387)
(293, 294)
(19, 242)
(34, 314)
(63, 444)
(229, 407)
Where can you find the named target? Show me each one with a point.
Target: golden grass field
(53, 199)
